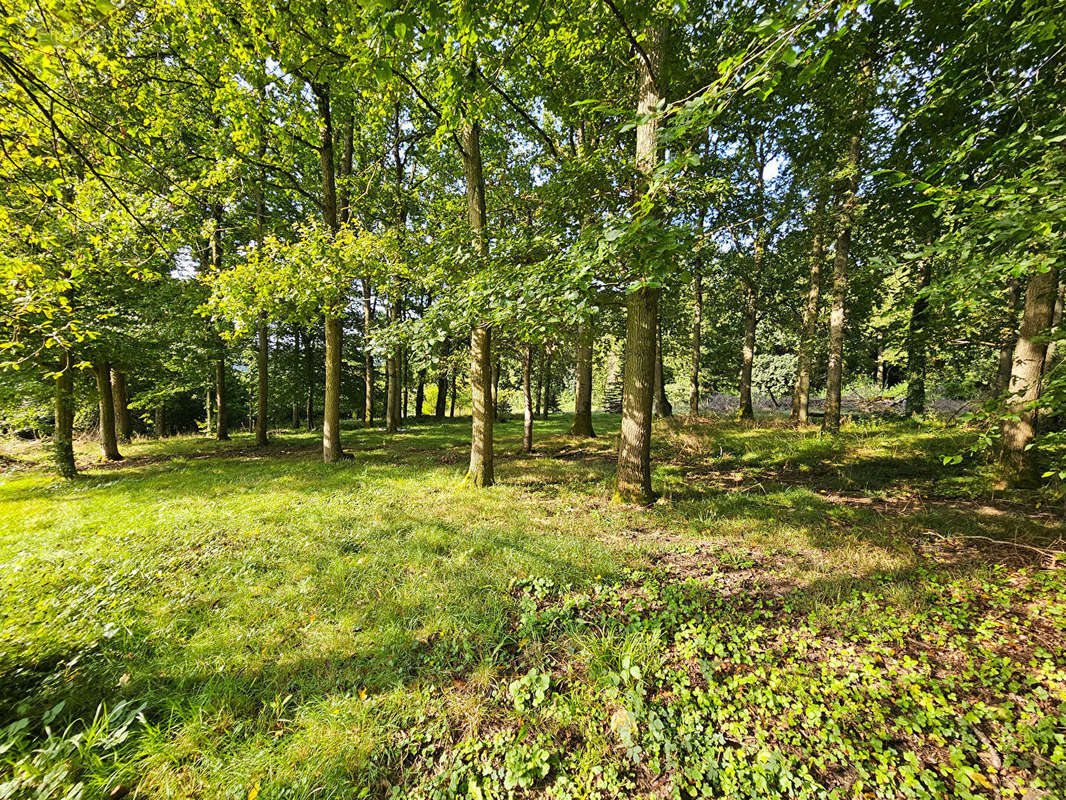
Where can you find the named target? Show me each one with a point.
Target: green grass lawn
(799, 616)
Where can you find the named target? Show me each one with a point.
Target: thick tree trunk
(662, 402)
(331, 406)
(122, 410)
(108, 438)
(1020, 424)
(64, 413)
(582, 425)
(697, 334)
(747, 409)
(801, 390)
(527, 394)
(837, 313)
(634, 448)
(262, 386)
(368, 355)
(482, 411)
(331, 411)
(642, 305)
(916, 341)
(222, 424)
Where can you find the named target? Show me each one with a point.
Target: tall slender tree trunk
(496, 387)
(546, 387)
(394, 387)
(747, 409)
(527, 394)
(539, 391)
(368, 355)
(642, 306)
(420, 394)
(837, 313)
(262, 385)
(331, 406)
(801, 390)
(222, 424)
(122, 410)
(309, 378)
(481, 471)
(697, 335)
(296, 379)
(207, 410)
(662, 405)
(161, 419)
(64, 413)
(1020, 424)
(405, 373)
(441, 406)
(582, 425)
(1056, 321)
(917, 340)
(108, 438)
(451, 408)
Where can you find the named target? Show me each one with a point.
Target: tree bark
(917, 340)
(296, 379)
(634, 448)
(441, 406)
(108, 438)
(207, 411)
(262, 387)
(222, 423)
(1056, 321)
(331, 406)
(451, 408)
(747, 410)
(482, 411)
(642, 305)
(420, 394)
(309, 378)
(582, 425)
(368, 355)
(496, 387)
(1020, 424)
(697, 334)
(331, 412)
(801, 391)
(539, 390)
(393, 399)
(527, 416)
(546, 387)
(122, 410)
(64, 413)
(837, 314)
(662, 402)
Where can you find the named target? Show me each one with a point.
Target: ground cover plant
(210, 620)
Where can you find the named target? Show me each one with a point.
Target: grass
(798, 616)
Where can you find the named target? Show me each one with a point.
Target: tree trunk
(451, 409)
(441, 406)
(405, 374)
(747, 409)
(527, 416)
(496, 387)
(161, 419)
(222, 424)
(916, 341)
(262, 388)
(207, 410)
(642, 305)
(582, 425)
(1020, 424)
(539, 391)
(1056, 321)
(309, 378)
(122, 411)
(296, 379)
(394, 387)
(801, 391)
(108, 438)
(662, 402)
(546, 387)
(64, 413)
(331, 411)
(697, 334)
(420, 394)
(634, 448)
(331, 406)
(482, 411)
(368, 355)
(837, 314)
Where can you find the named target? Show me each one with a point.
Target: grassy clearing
(800, 616)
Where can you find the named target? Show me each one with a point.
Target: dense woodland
(222, 215)
(749, 314)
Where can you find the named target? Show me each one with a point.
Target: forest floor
(798, 616)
